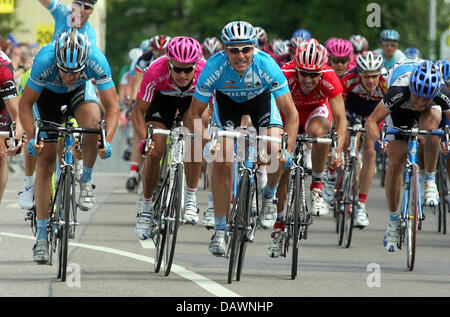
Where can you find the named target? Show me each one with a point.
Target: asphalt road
(107, 259)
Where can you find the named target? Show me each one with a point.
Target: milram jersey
(63, 21)
(399, 93)
(263, 73)
(45, 74)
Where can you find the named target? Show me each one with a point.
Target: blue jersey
(63, 21)
(263, 73)
(45, 74)
(389, 63)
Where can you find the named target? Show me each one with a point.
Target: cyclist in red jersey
(8, 110)
(317, 94)
(262, 41)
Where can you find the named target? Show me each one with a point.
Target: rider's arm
(29, 97)
(46, 3)
(109, 101)
(195, 112)
(12, 105)
(287, 106)
(138, 116)
(337, 107)
(379, 114)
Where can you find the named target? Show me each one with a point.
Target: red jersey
(328, 87)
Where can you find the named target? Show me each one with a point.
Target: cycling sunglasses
(337, 60)
(308, 74)
(237, 49)
(180, 70)
(70, 71)
(83, 5)
(389, 44)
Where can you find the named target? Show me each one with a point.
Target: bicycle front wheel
(159, 209)
(351, 200)
(65, 215)
(238, 225)
(298, 211)
(173, 218)
(412, 219)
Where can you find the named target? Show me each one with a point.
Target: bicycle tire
(383, 169)
(158, 214)
(412, 219)
(64, 235)
(298, 210)
(54, 222)
(173, 219)
(441, 181)
(351, 200)
(342, 212)
(237, 224)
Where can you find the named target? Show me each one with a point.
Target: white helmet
(239, 32)
(280, 47)
(369, 61)
(134, 53)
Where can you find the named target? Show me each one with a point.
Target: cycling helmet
(369, 62)
(359, 42)
(72, 51)
(297, 41)
(389, 35)
(159, 42)
(184, 49)
(412, 52)
(261, 35)
(239, 32)
(134, 53)
(311, 56)
(339, 47)
(90, 1)
(444, 66)
(425, 80)
(280, 48)
(303, 33)
(212, 45)
(145, 44)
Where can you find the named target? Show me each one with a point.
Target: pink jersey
(157, 78)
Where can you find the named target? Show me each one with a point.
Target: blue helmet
(444, 66)
(412, 52)
(72, 51)
(239, 32)
(425, 80)
(389, 35)
(303, 33)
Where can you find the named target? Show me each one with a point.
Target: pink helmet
(184, 49)
(311, 56)
(339, 47)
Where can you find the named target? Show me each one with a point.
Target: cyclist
(412, 53)
(158, 46)
(416, 94)
(61, 76)
(340, 55)
(246, 81)
(168, 86)
(390, 51)
(8, 111)
(364, 87)
(301, 33)
(281, 51)
(76, 18)
(360, 44)
(261, 41)
(210, 46)
(317, 94)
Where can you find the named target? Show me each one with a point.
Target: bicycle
(242, 221)
(346, 197)
(298, 218)
(63, 211)
(411, 209)
(442, 186)
(169, 200)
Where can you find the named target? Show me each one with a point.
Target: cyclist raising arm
(416, 95)
(61, 76)
(236, 76)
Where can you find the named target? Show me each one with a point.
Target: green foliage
(131, 21)
(9, 22)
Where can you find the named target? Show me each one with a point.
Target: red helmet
(159, 42)
(311, 56)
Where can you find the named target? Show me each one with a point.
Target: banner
(44, 33)
(6, 6)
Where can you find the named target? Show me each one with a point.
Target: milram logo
(265, 76)
(96, 67)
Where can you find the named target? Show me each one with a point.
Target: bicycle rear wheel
(412, 219)
(237, 224)
(173, 218)
(351, 200)
(159, 209)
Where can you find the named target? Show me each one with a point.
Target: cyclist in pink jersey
(167, 87)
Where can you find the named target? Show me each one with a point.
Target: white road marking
(208, 285)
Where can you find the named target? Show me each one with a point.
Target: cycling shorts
(163, 108)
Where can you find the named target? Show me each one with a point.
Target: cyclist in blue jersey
(390, 51)
(244, 81)
(76, 18)
(61, 75)
(415, 96)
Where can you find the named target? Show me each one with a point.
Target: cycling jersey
(143, 62)
(395, 58)
(7, 89)
(262, 74)
(45, 73)
(63, 20)
(358, 100)
(23, 82)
